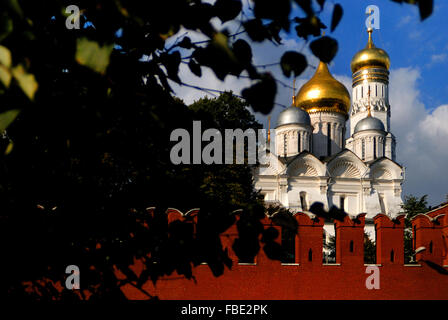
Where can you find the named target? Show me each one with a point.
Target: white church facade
(314, 162)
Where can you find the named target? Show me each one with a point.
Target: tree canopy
(412, 206)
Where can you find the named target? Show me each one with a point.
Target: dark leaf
(266, 9)
(197, 16)
(218, 56)
(269, 234)
(195, 68)
(227, 9)
(256, 31)
(273, 250)
(336, 213)
(305, 5)
(7, 117)
(309, 26)
(186, 43)
(294, 62)
(274, 29)
(91, 54)
(337, 16)
(243, 52)
(317, 208)
(425, 7)
(246, 248)
(6, 25)
(171, 62)
(15, 6)
(262, 94)
(325, 48)
(216, 268)
(286, 220)
(321, 4)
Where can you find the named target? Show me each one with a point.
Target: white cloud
(422, 137)
(404, 20)
(437, 58)
(436, 123)
(416, 35)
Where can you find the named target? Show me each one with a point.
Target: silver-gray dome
(293, 115)
(369, 123)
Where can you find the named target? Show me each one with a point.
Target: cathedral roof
(293, 115)
(384, 160)
(323, 93)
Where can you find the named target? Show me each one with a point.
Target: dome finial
(370, 41)
(294, 91)
(269, 129)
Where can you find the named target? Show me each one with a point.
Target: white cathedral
(313, 162)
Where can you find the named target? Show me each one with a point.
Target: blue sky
(418, 82)
(409, 41)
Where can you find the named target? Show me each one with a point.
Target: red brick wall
(390, 245)
(270, 280)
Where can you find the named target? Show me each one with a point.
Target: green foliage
(81, 197)
(408, 248)
(26, 81)
(6, 25)
(6, 118)
(5, 65)
(145, 30)
(284, 218)
(5, 57)
(369, 249)
(90, 54)
(411, 206)
(330, 246)
(225, 111)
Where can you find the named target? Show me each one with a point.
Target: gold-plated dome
(323, 93)
(370, 56)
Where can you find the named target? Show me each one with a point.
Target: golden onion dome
(323, 93)
(370, 56)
